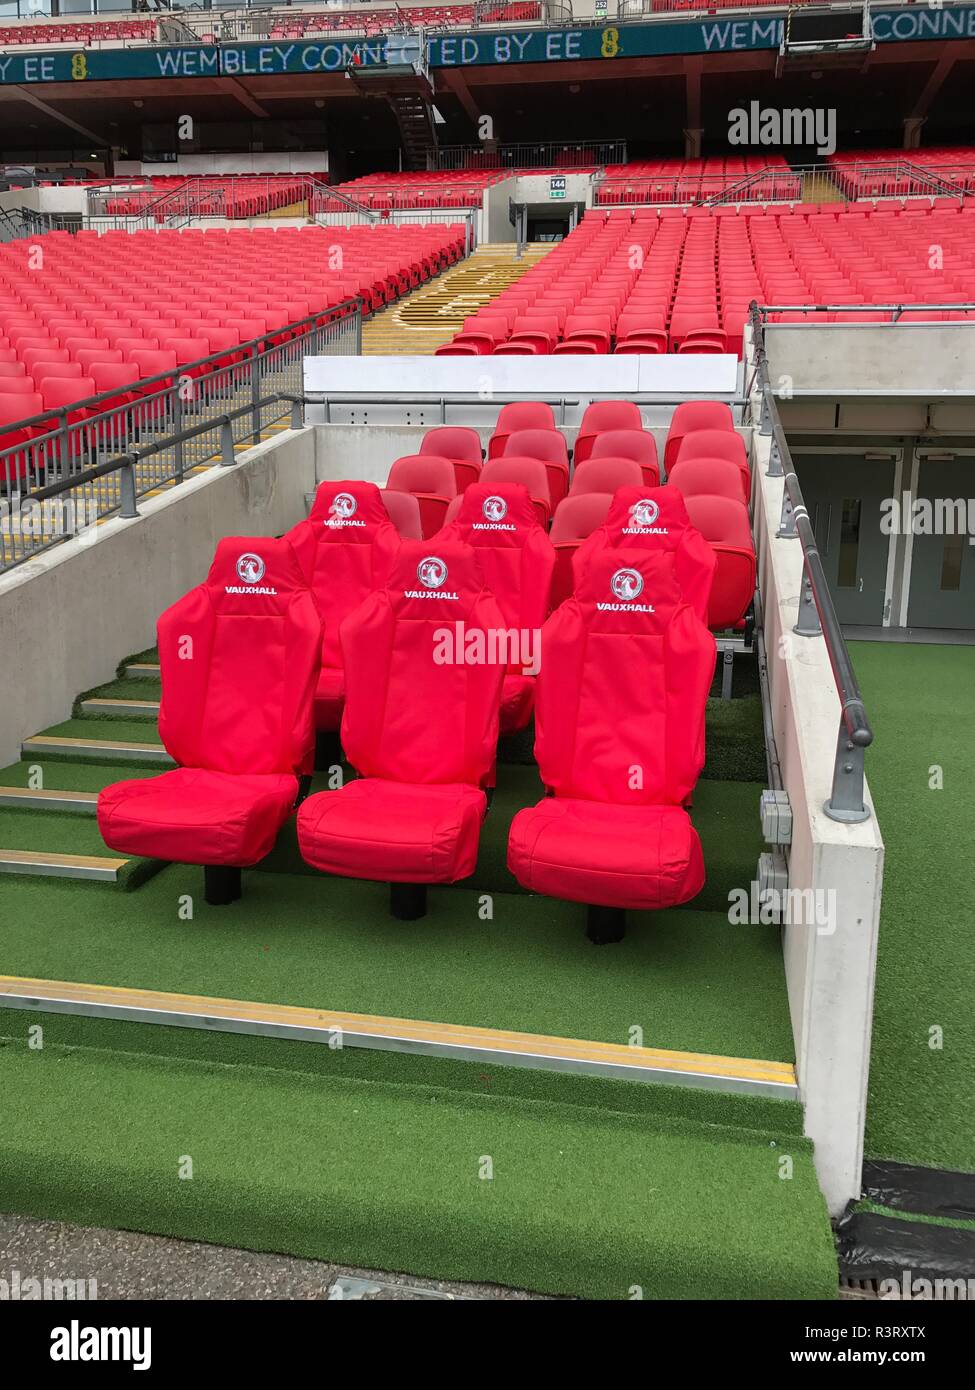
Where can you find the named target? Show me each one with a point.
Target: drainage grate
(859, 1288)
(347, 1287)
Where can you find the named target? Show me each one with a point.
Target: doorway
(844, 492)
(941, 555)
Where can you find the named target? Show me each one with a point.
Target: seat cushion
(517, 701)
(395, 832)
(329, 698)
(610, 856)
(197, 817)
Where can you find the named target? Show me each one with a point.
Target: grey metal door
(844, 493)
(942, 592)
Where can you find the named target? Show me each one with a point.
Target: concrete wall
(311, 162)
(70, 616)
(69, 199)
(352, 451)
(829, 974)
(900, 360)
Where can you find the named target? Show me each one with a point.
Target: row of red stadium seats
(704, 457)
(644, 284)
(366, 619)
(97, 314)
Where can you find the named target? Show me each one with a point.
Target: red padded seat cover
(345, 548)
(655, 520)
(625, 672)
(239, 658)
(420, 725)
(517, 560)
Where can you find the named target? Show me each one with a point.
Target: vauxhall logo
(432, 574)
(494, 510)
(342, 510)
(627, 586)
(643, 514)
(250, 569)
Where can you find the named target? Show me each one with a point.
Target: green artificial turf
(762, 1116)
(923, 1217)
(579, 1201)
(73, 776)
(922, 1098)
(688, 979)
(61, 832)
(119, 690)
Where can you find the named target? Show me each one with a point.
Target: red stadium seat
(414, 814)
(630, 444)
(519, 415)
(717, 444)
(605, 475)
(460, 444)
(431, 480)
(517, 560)
(237, 718)
(625, 673)
(345, 548)
(404, 513)
(655, 520)
(715, 477)
(531, 473)
(578, 516)
(602, 416)
(724, 525)
(14, 407)
(549, 446)
(695, 415)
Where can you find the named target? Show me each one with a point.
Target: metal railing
(63, 470)
(816, 615)
(230, 197)
(896, 311)
(865, 182)
(561, 156)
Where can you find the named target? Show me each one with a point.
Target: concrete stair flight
(430, 317)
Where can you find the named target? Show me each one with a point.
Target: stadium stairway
(821, 188)
(600, 1188)
(431, 315)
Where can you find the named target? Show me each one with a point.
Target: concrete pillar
(912, 131)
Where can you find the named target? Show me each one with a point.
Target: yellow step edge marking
(377, 1025)
(105, 703)
(64, 861)
(113, 743)
(47, 794)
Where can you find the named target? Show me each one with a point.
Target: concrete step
(142, 670)
(26, 798)
(85, 748)
(88, 866)
(120, 707)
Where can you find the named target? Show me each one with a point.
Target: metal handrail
(346, 306)
(125, 463)
(928, 307)
(816, 615)
(85, 455)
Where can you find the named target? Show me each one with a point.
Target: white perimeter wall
(830, 977)
(69, 617)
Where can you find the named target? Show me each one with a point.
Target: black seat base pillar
(605, 925)
(408, 901)
(328, 749)
(221, 884)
